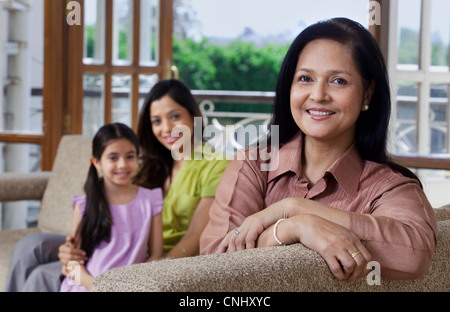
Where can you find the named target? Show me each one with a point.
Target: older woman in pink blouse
(333, 187)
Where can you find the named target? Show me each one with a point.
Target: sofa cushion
(8, 240)
(68, 176)
(442, 213)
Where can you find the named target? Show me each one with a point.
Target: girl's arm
(85, 278)
(155, 241)
(189, 244)
(67, 251)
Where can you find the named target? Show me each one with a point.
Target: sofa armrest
(442, 213)
(261, 269)
(23, 186)
(293, 268)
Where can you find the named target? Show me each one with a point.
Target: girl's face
(327, 92)
(165, 114)
(118, 163)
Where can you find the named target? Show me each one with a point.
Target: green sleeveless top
(195, 180)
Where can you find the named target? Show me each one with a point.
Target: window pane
(231, 39)
(438, 117)
(20, 157)
(121, 102)
(36, 113)
(93, 108)
(276, 19)
(26, 117)
(16, 117)
(94, 32)
(21, 67)
(123, 32)
(440, 34)
(406, 129)
(149, 43)
(408, 34)
(146, 83)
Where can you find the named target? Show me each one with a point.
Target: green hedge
(238, 66)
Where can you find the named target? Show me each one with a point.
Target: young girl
(117, 223)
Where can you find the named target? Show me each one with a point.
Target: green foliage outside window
(236, 66)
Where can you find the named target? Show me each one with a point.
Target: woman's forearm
(287, 232)
(188, 246)
(302, 206)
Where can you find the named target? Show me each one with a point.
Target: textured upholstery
(274, 269)
(55, 189)
(23, 186)
(68, 176)
(8, 240)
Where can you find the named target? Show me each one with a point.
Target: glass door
(122, 49)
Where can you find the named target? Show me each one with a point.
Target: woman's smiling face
(165, 114)
(327, 92)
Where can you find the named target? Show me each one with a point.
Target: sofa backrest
(69, 173)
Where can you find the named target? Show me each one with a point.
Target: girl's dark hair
(156, 159)
(95, 226)
(372, 125)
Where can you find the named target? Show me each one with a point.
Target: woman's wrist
(290, 231)
(282, 232)
(178, 251)
(275, 230)
(295, 206)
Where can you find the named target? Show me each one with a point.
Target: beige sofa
(55, 189)
(276, 269)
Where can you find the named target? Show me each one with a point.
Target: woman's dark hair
(95, 225)
(156, 159)
(372, 125)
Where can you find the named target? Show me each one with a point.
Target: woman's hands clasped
(341, 249)
(246, 236)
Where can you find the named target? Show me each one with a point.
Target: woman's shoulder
(207, 161)
(384, 176)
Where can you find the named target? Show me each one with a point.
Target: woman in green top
(189, 185)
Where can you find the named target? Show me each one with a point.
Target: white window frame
(423, 76)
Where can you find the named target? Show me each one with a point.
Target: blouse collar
(346, 169)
